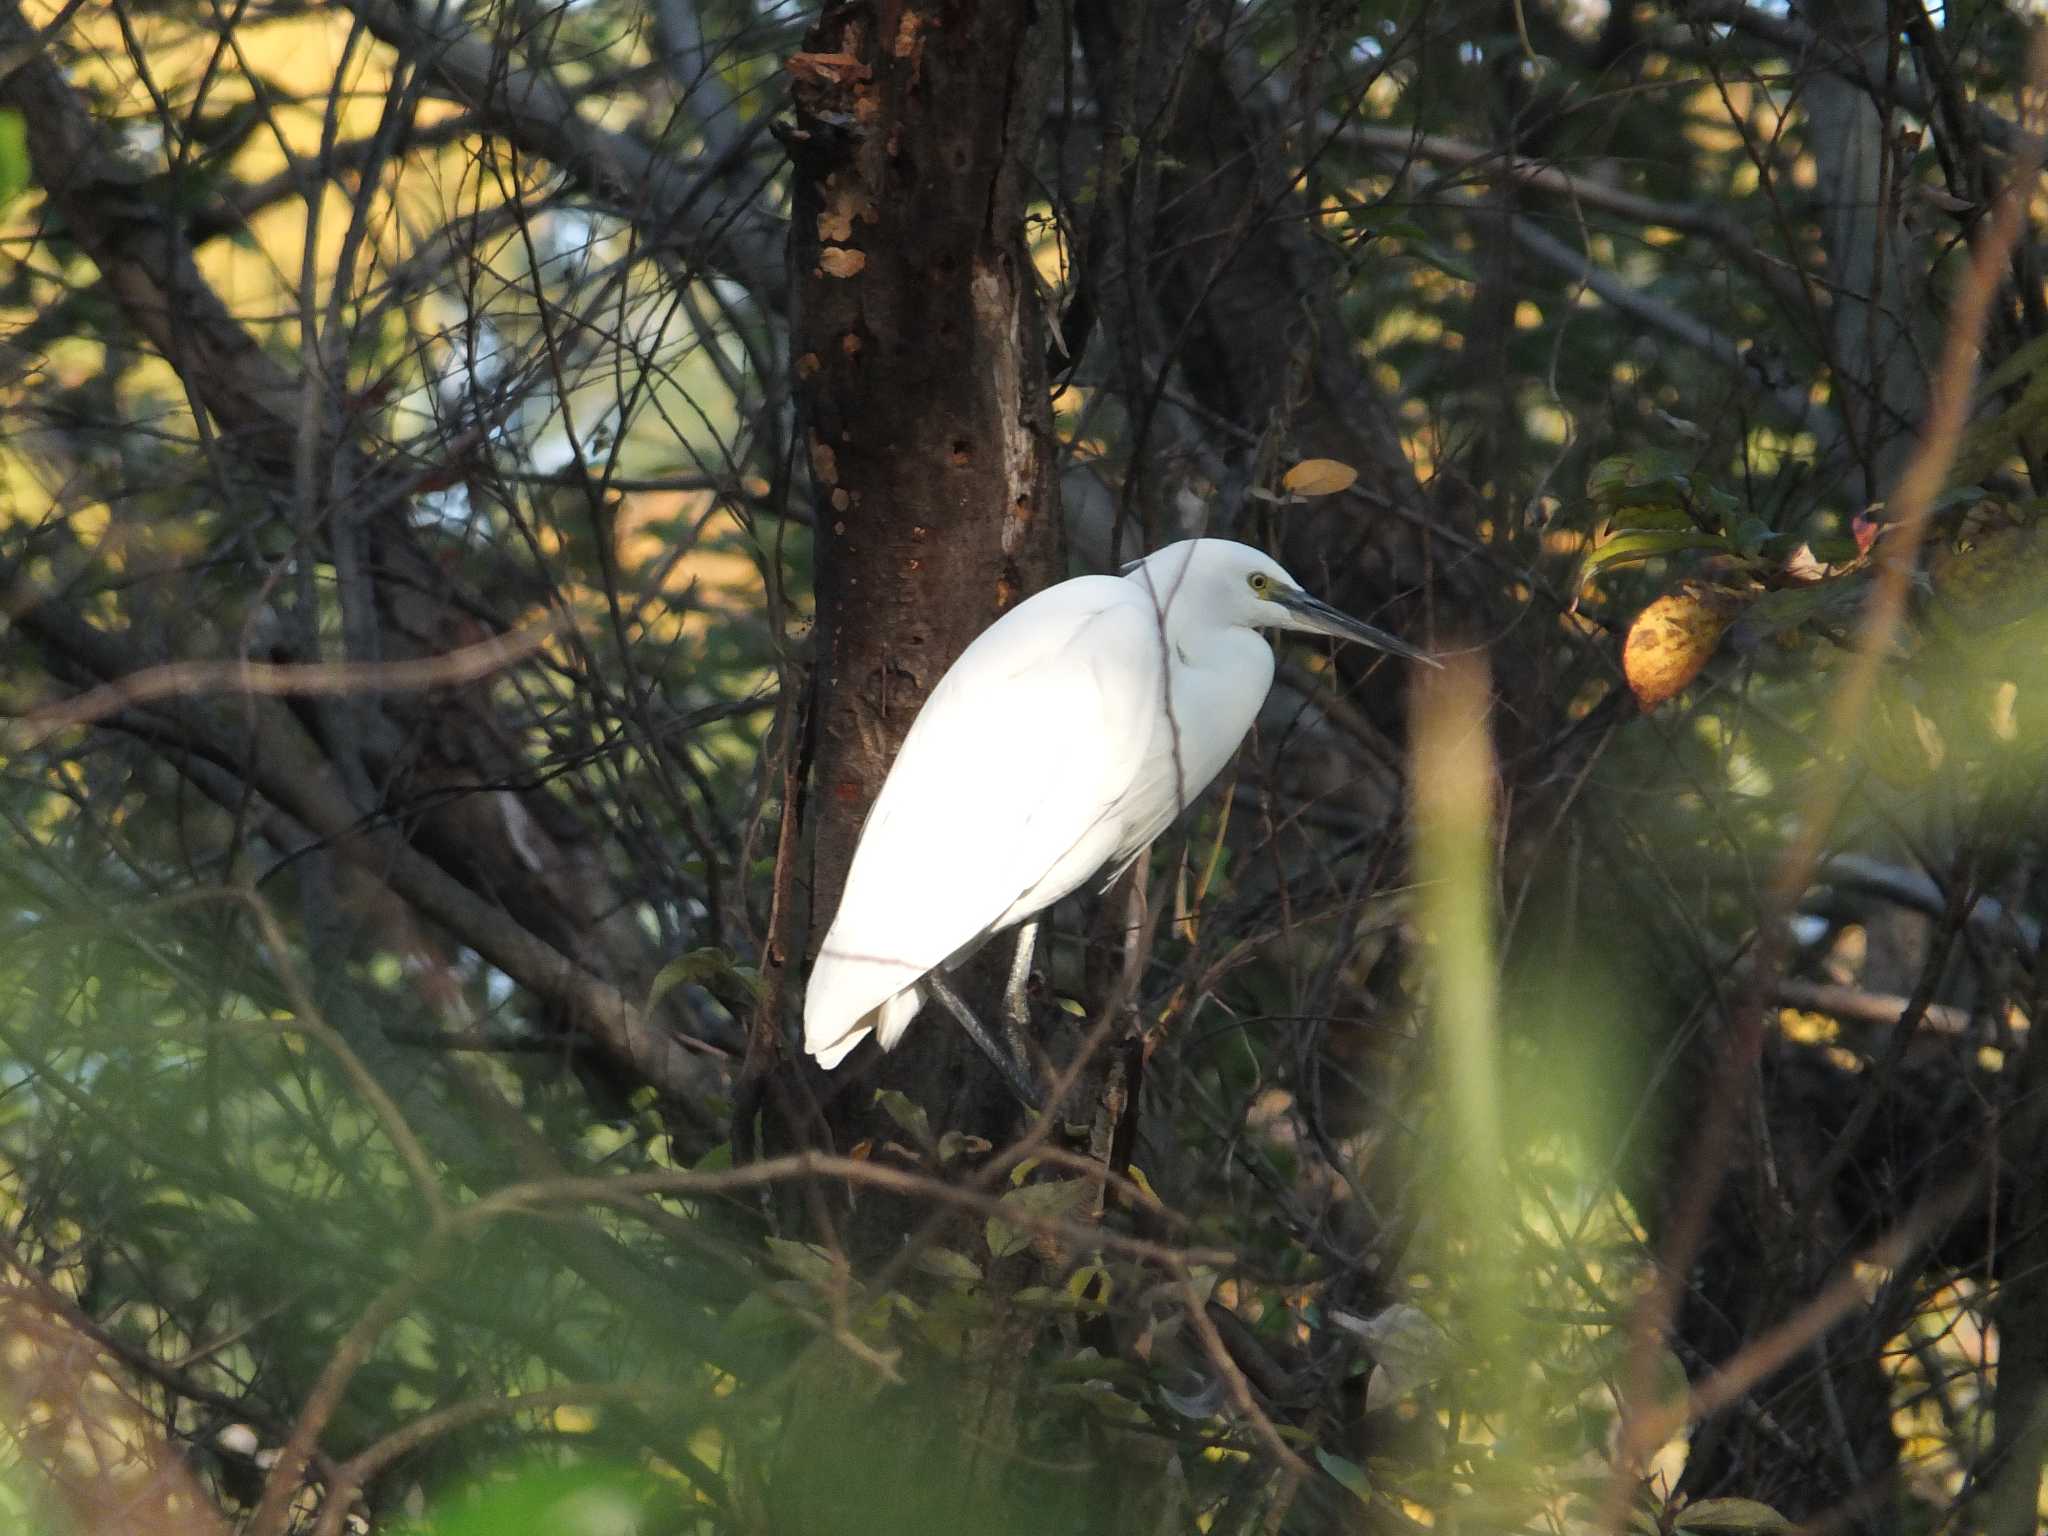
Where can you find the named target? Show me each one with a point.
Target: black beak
(1314, 616)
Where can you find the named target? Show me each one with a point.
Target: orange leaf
(1674, 637)
(1318, 477)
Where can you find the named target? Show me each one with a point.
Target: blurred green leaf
(1628, 548)
(1349, 1473)
(806, 1261)
(1731, 1515)
(909, 1115)
(947, 1263)
(16, 169)
(1044, 1202)
(555, 1501)
(700, 967)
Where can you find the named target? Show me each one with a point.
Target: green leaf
(1666, 515)
(1648, 544)
(2024, 360)
(542, 1501)
(947, 1264)
(955, 1144)
(1047, 1298)
(907, 1113)
(1444, 261)
(1642, 476)
(807, 1261)
(1731, 1515)
(699, 967)
(1752, 533)
(16, 170)
(1831, 603)
(1349, 1473)
(1038, 1202)
(765, 1315)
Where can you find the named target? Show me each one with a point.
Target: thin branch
(1852, 1005)
(178, 679)
(1801, 43)
(679, 203)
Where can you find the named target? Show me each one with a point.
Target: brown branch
(1800, 43)
(1392, 143)
(1767, 1354)
(274, 1509)
(1234, 1382)
(147, 270)
(174, 679)
(281, 763)
(348, 1477)
(622, 1188)
(101, 1452)
(1852, 1005)
(676, 202)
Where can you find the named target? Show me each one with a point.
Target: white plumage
(1066, 737)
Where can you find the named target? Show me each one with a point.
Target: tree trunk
(918, 344)
(1878, 367)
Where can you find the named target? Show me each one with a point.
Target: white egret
(1067, 736)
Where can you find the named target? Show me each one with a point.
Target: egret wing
(1006, 790)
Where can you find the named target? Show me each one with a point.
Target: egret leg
(1013, 1073)
(1016, 1004)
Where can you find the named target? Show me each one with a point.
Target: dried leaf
(1674, 637)
(1319, 477)
(827, 68)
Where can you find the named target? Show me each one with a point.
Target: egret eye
(1260, 582)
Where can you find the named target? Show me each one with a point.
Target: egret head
(1219, 583)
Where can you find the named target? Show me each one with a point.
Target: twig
(179, 679)
(1234, 1381)
(1765, 1355)
(1852, 1005)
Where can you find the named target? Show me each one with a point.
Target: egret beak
(1314, 616)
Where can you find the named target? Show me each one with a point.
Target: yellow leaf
(1674, 637)
(1318, 477)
